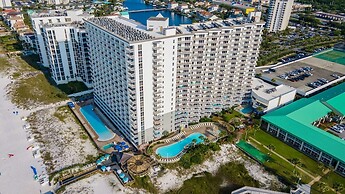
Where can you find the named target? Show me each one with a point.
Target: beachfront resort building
(297, 125)
(267, 97)
(61, 41)
(156, 79)
(54, 2)
(279, 15)
(5, 3)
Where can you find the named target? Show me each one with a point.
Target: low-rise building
(267, 97)
(205, 15)
(300, 7)
(243, 8)
(172, 5)
(253, 190)
(330, 16)
(5, 3)
(213, 8)
(296, 125)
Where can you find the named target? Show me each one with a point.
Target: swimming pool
(247, 110)
(174, 149)
(104, 134)
(108, 146)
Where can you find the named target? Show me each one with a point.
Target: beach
(16, 173)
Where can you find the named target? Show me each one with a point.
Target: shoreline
(13, 140)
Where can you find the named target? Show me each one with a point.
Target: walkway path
(305, 172)
(316, 179)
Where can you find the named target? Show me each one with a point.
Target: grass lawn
(73, 87)
(4, 64)
(282, 168)
(36, 90)
(288, 152)
(329, 180)
(10, 43)
(31, 87)
(228, 116)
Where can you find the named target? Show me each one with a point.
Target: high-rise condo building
(5, 3)
(54, 2)
(278, 15)
(155, 79)
(61, 41)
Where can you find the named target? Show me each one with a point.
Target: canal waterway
(174, 18)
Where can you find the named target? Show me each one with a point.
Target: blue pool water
(174, 18)
(174, 149)
(98, 126)
(247, 110)
(108, 146)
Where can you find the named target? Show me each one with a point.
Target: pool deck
(208, 129)
(90, 130)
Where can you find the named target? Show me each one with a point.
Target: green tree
(165, 133)
(322, 187)
(338, 187)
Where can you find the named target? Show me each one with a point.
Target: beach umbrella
(107, 156)
(125, 179)
(119, 171)
(123, 143)
(34, 170)
(122, 175)
(103, 168)
(126, 147)
(117, 147)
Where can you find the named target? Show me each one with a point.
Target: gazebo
(139, 164)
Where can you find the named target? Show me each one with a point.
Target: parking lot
(305, 75)
(338, 130)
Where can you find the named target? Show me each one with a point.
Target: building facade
(157, 79)
(267, 97)
(67, 52)
(54, 2)
(5, 3)
(278, 15)
(61, 41)
(296, 124)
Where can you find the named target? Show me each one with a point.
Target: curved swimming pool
(174, 149)
(104, 134)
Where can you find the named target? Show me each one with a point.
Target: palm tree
(338, 187)
(296, 162)
(194, 142)
(271, 147)
(322, 187)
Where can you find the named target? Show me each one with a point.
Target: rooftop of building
(254, 190)
(213, 25)
(240, 6)
(128, 29)
(131, 30)
(65, 24)
(56, 13)
(268, 91)
(297, 118)
(159, 17)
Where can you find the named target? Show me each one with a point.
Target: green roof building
(295, 124)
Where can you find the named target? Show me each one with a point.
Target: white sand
(172, 179)
(60, 139)
(16, 174)
(100, 184)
